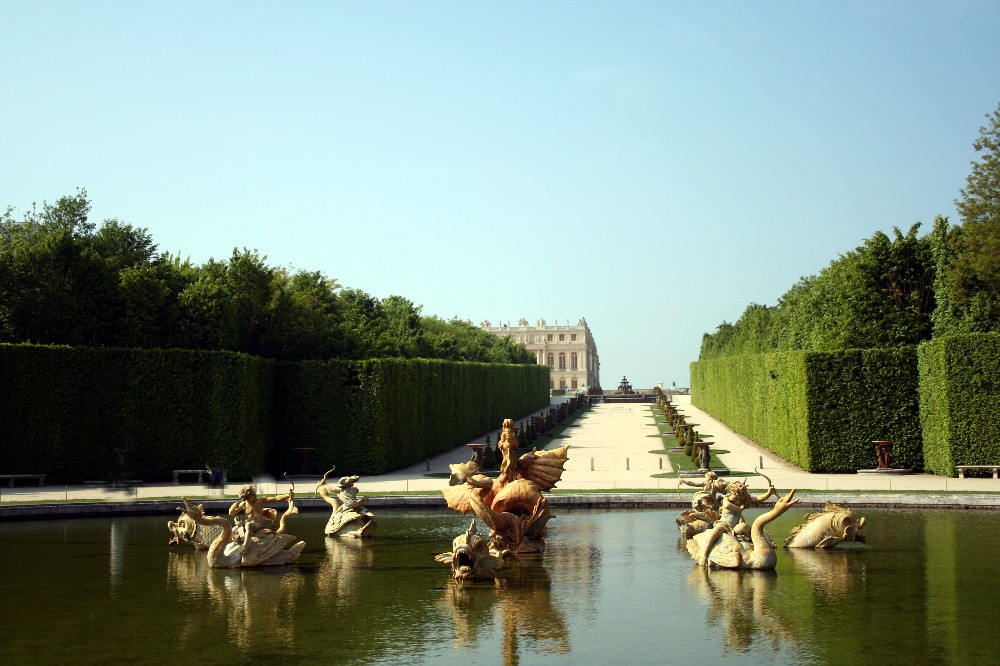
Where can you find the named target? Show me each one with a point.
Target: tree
(974, 273)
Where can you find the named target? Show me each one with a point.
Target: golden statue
(254, 541)
(835, 524)
(511, 505)
(348, 517)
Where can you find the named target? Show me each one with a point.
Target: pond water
(614, 586)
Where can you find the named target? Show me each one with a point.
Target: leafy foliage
(879, 295)
(66, 280)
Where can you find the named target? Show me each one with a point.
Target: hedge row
(818, 410)
(397, 412)
(76, 414)
(960, 401)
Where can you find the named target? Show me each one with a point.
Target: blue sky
(654, 167)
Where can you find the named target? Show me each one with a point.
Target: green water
(614, 587)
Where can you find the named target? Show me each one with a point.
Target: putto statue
(253, 541)
(720, 546)
(349, 516)
(705, 504)
(470, 557)
(730, 513)
(512, 505)
(835, 524)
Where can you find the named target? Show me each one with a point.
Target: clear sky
(654, 167)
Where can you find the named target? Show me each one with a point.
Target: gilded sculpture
(835, 524)
(511, 505)
(258, 537)
(470, 557)
(723, 547)
(348, 516)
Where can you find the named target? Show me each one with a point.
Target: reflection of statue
(470, 557)
(340, 578)
(524, 613)
(825, 530)
(512, 505)
(721, 547)
(250, 543)
(258, 609)
(741, 600)
(831, 572)
(349, 516)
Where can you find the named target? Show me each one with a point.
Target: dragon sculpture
(251, 543)
(721, 547)
(835, 524)
(348, 517)
(186, 530)
(470, 557)
(511, 505)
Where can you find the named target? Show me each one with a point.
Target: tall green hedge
(373, 416)
(960, 401)
(70, 412)
(818, 410)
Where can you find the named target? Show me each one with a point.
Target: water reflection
(834, 573)
(116, 554)
(520, 604)
(740, 601)
(258, 605)
(340, 576)
(612, 587)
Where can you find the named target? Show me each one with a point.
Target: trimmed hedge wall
(369, 417)
(818, 410)
(69, 412)
(960, 401)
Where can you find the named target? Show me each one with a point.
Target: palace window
(562, 383)
(550, 360)
(549, 337)
(572, 337)
(562, 337)
(562, 360)
(572, 361)
(574, 382)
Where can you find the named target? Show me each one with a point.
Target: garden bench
(11, 478)
(994, 468)
(199, 472)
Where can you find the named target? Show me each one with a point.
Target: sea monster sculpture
(251, 543)
(721, 548)
(835, 524)
(470, 557)
(349, 516)
(186, 530)
(512, 505)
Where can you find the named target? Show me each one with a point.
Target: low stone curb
(570, 501)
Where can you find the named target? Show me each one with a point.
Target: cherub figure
(349, 516)
(709, 495)
(251, 513)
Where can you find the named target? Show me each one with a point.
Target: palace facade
(568, 350)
